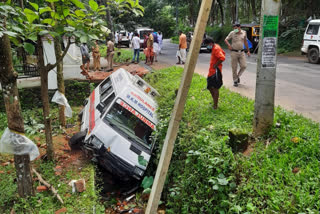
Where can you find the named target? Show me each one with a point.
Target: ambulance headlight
(138, 171)
(96, 142)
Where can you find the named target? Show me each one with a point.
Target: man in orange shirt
(182, 53)
(214, 80)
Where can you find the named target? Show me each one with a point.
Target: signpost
(178, 108)
(266, 67)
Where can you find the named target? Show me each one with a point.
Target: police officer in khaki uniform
(238, 38)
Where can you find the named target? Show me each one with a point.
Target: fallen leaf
(295, 140)
(62, 210)
(296, 170)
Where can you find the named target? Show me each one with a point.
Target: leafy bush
(290, 39)
(219, 33)
(76, 93)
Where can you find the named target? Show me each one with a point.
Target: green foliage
(206, 177)
(290, 39)
(219, 33)
(147, 182)
(30, 98)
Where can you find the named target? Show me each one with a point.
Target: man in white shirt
(135, 43)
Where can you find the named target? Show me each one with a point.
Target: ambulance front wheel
(76, 140)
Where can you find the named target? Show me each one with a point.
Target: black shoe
(238, 79)
(235, 84)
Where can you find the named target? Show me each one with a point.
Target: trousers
(136, 53)
(238, 58)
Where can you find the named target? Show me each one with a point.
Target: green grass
(45, 202)
(126, 55)
(206, 177)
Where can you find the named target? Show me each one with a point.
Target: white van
(141, 31)
(311, 41)
(117, 124)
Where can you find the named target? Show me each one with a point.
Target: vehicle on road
(117, 122)
(311, 41)
(124, 39)
(204, 46)
(141, 31)
(253, 31)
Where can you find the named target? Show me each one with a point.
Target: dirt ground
(134, 69)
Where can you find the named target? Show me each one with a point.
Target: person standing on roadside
(182, 53)
(156, 47)
(238, 37)
(150, 54)
(110, 54)
(214, 80)
(160, 38)
(116, 38)
(135, 43)
(96, 56)
(85, 58)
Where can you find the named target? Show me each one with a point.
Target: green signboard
(270, 26)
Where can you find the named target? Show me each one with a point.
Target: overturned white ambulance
(117, 124)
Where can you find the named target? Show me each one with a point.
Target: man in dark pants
(214, 80)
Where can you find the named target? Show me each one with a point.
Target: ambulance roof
(136, 92)
(315, 21)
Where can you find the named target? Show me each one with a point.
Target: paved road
(297, 84)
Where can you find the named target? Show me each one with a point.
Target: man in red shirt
(214, 80)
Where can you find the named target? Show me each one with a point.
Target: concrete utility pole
(266, 67)
(178, 108)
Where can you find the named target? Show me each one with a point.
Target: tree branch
(52, 66)
(55, 192)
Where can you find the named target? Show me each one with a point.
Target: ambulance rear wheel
(76, 140)
(313, 55)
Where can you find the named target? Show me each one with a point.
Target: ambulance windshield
(130, 122)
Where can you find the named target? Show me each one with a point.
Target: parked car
(253, 31)
(311, 42)
(117, 124)
(204, 46)
(141, 31)
(124, 39)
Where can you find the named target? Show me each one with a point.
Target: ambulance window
(124, 118)
(313, 30)
(108, 101)
(106, 93)
(103, 106)
(106, 84)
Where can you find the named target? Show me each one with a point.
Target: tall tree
(254, 11)
(8, 79)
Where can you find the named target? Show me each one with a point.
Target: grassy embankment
(281, 175)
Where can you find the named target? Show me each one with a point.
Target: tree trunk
(254, 10)
(58, 52)
(45, 99)
(221, 11)
(109, 20)
(8, 79)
